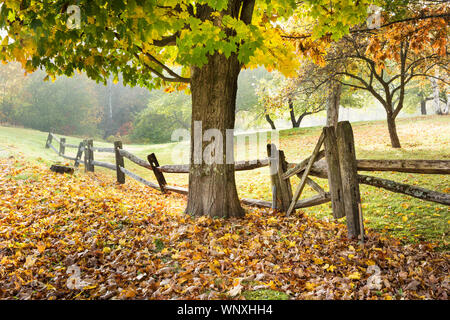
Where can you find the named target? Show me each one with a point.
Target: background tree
(297, 97)
(282, 96)
(120, 105)
(63, 106)
(165, 113)
(386, 61)
(11, 87)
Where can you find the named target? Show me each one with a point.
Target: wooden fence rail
(88, 149)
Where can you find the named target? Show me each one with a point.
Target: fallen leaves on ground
(84, 237)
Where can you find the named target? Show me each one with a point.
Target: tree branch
(247, 11)
(159, 74)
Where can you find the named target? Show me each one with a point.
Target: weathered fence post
(86, 160)
(90, 155)
(119, 162)
(334, 172)
(62, 146)
(284, 168)
(158, 174)
(49, 140)
(281, 188)
(349, 176)
(79, 154)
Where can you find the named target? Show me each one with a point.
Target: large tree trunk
(333, 102)
(212, 187)
(392, 127)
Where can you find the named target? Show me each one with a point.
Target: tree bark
(423, 107)
(333, 102)
(446, 106)
(212, 187)
(295, 123)
(270, 121)
(434, 85)
(392, 127)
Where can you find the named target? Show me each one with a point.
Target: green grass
(409, 219)
(265, 294)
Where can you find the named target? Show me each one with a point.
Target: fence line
(340, 167)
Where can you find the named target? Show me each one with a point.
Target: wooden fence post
(49, 140)
(349, 175)
(86, 160)
(119, 162)
(62, 146)
(284, 168)
(281, 189)
(158, 174)
(334, 172)
(90, 155)
(79, 154)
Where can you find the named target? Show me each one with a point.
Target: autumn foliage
(84, 237)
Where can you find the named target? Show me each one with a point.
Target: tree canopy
(143, 40)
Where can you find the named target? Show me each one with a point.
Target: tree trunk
(212, 187)
(270, 121)
(294, 122)
(446, 106)
(300, 118)
(423, 107)
(333, 102)
(395, 141)
(436, 102)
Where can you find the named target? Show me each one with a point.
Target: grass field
(409, 219)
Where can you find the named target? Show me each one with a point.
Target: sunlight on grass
(411, 220)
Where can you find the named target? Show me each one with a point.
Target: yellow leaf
(41, 247)
(318, 261)
(355, 275)
(310, 286)
(90, 287)
(331, 268)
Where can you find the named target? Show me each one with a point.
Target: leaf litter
(85, 237)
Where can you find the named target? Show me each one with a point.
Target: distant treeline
(79, 106)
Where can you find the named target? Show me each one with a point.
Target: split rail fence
(336, 162)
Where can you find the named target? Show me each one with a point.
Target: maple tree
(385, 61)
(142, 40)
